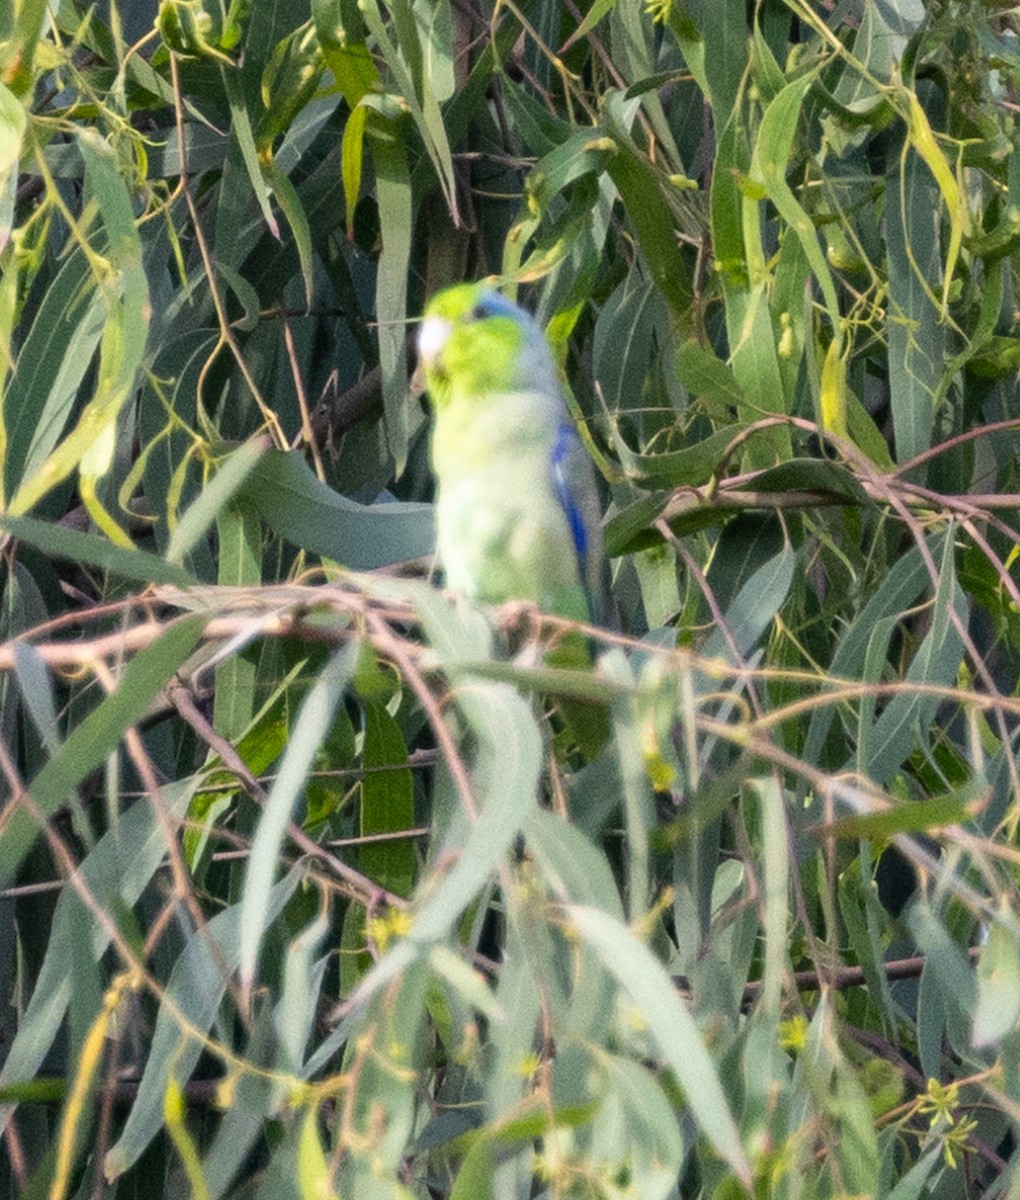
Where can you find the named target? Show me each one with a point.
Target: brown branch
(959, 439)
(306, 434)
(127, 641)
(397, 649)
(361, 402)
(849, 977)
(838, 980)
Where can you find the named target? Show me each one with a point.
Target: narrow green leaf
(310, 728)
(505, 781)
(217, 493)
(900, 587)
(594, 14)
(866, 434)
(313, 1170)
(387, 802)
(244, 135)
(997, 1012)
(476, 1175)
(286, 494)
(575, 869)
(13, 122)
(771, 155)
(624, 350)
(917, 337)
(768, 74)
(239, 538)
(922, 139)
(302, 982)
(193, 995)
(37, 692)
(51, 365)
(297, 220)
(650, 215)
(637, 1125)
(755, 606)
(94, 551)
(864, 918)
(653, 996)
(245, 293)
(125, 293)
(437, 67)
(913, 1184)
(709, 380)
(918, 817)
(89, 743)
(350, 60)
(507, 760)
(944, 958)
(776, 864)
(812, 475)
(417, 94)
(351, 160)
(396, 219)
(635, 786)
(932, 1024)
(732, 162)
(723, 26)
(908, 716)
(466, 981)
(115, 873)
(253, 1104)
(632, 529)
(755, 363)
(16, 57)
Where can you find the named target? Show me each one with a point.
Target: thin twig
(363, 888)
(183, 891)
(396, 649)
(226, 336)
(307, 434)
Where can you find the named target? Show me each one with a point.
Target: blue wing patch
(566, 438)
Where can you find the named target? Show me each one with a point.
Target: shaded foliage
(307, 890)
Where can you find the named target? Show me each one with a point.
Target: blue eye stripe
(495, 304)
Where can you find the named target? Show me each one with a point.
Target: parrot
(517, 510)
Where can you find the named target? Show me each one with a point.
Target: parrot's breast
(502, 531)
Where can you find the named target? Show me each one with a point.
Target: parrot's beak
(432, 337)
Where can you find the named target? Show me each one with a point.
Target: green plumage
(517, 510)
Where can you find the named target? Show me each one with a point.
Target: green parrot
(517, 511)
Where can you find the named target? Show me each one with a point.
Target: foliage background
(304, 895)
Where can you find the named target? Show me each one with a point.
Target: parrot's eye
(492, 304)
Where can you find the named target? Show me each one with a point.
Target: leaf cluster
(309, 888)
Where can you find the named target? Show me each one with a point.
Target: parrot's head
(473, 342)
